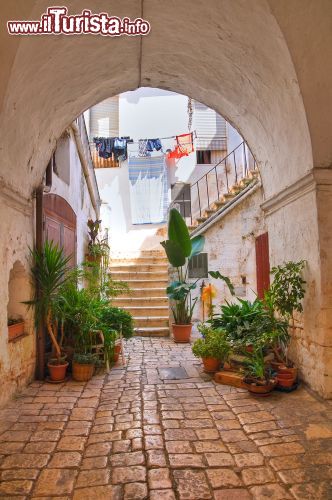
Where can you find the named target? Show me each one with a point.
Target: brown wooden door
(262, 264)
(60, 225)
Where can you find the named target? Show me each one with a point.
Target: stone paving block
(191, 485)
(25, 460)
(275, 450)
(273, 491)
(257, 475)
(98, 493)
(249, 459)
(159, 479)
(97, 449)
(55, 482)
(156, 458)
(127, 459)
(10, 474)
(162, 495)
(131, 474)
(219, 459)
(65, 460)
(14, 488)
(209, 446)
(93, 477)
(180, 460)
(314, 491)
(178, 447)
(135, 491)
(232, 494)
(219, 478)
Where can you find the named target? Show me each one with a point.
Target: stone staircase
(235, 192)
(147, 278)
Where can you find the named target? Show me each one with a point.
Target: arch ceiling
(233, 58)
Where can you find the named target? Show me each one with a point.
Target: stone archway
(248, 64)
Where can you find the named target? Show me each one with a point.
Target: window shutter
(198, 266)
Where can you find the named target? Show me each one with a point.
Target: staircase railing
(219, 181)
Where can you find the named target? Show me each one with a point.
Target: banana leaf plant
(180, 248)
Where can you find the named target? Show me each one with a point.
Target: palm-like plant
(49, 272)
(180, 248)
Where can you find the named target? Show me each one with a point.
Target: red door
(262, 264)
(60, 224)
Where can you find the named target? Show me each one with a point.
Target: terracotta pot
(181, 333)
(287, 382)
(57, 372)
(249, 348)
(93, 258)
(15, 330)
(259, 389)
(117, 351)
(285, 376)
(211, 364)
(276, 365)
(82, 372)
(285, 369)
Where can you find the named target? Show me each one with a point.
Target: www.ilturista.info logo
(56, 21)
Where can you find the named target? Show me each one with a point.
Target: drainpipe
(85, 167)
(40, 369)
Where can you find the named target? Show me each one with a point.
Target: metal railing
(222, 179)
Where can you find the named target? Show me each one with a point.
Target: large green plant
(49, 273)
(180, 248)
(256, 367)
(287, 289)
(116, 319)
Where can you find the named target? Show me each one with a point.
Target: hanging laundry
(185, 146)
(148, 189)
(109, 146)
(146, 146)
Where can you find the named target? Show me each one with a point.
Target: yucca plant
(49, 272)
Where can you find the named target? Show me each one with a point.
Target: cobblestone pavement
(138, 433)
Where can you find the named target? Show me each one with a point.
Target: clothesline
(163, 138)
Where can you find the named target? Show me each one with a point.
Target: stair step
(200, 220)
(210, 211)
(137, 275)
(149, 268)
(145, 311)
(146, 292)
(151, 332)
(133, 302)
(147, 321)
(147, 284)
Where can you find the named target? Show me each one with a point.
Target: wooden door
(60, 225)
(262, 264)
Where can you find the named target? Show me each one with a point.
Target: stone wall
(230, 244)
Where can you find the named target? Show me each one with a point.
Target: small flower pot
(82, 372)
(15, 330)
(258, 388)
(181, 333)
(285, 382)
(291, 371)
(117, 351)
(211, 365)
(57, 372)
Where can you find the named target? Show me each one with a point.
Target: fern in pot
(180, 248)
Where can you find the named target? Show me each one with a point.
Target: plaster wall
(75, 192)
(230, 245)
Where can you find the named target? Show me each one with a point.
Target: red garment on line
(185, 146)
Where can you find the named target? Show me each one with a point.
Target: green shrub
(115, 318)
(214, 344)
(85, 359)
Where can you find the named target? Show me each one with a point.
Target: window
(182, 201)
(203, 157)
(198, 266)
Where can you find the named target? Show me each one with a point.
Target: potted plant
(49, 273)
(84, 366)
(258, 379)
(15, 328)
(96, 249)
(213, 348)
(180, 248)
(285, 298)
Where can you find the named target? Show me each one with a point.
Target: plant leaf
(217, 275)
(178, 231)
(174, 252)
(197, 245)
